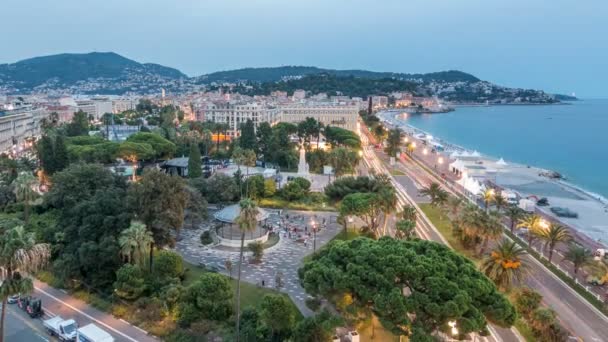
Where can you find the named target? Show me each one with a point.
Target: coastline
(525, 180)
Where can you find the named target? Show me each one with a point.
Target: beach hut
(471, 184)
(457, 166)
(501, 162)
(475, 154)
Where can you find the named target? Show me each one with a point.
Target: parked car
(13, 299)
(564, 212)
(543, 202)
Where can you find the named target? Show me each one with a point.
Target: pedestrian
(263, 283)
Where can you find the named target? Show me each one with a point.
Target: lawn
(444, 225)
(251, 295)
(396, 172)
(280, 203)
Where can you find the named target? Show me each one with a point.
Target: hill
(275, 74)
(65, 70)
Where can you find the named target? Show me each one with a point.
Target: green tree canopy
(407, 284)
(194, 162)
(209, 297)
(161, 147)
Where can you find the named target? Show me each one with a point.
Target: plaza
(297, 240)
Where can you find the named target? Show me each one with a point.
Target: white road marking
(86, 315)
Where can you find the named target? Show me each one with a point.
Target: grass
(525, 330)
(444, 225)
(396, 172)
(251, 295)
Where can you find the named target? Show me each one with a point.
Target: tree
(219, 188)
(514, 213)
(316, 328)
(196, 205)
(533, 223)
(130, 283)
(161, 147)
(20, 256)
(264, 140)
(270, 187)
(393, 142)
(60, 154)
(409, 212)
(254, 186)
(293, 191)
(135, 243)
(578, 256)
(436, 193)
(405, 229)
(454, 204)
(168, 266)
(159, 201)
(195, 169)
(277, 314)
(247, 140)
(488, 197)
(505, 265)
(207, 298)
(247, 221)
(79, 124)
(24, 186)
(416, 283)
(343, 160)
(365, 206)
(553, 235)
(500, 202)
(488, 229)
(134, 152)
(526, 301)
(257, 251)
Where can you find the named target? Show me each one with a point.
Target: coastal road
(574, 312)
(58, 303)
(426, 230)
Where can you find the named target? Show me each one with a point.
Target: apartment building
(95, 108)
(236, 113)
(342, 115)
(19, 125)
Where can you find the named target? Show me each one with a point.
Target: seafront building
(337, 114)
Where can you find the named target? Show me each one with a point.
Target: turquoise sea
(571, 138)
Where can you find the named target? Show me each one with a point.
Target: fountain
(303, 165)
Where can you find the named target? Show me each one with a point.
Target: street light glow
(425, 151)
(440, 160)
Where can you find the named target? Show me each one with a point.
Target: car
(564, 212)
(13, 299)
(543, 202)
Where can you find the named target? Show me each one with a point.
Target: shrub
(206, 238)
(526, 301)
(257, 249)
(129, 282)
(209, 297)
(313, 304)
(168, 264)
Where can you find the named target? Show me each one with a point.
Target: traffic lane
(20, 327)
(411, 189)
(58, 303)
(575, 315)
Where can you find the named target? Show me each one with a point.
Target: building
(299, 95)
(64, 113)
(95, 108)
(234, 113)
(380, 101)
(18, 126)
(329, 114)
(123, 104)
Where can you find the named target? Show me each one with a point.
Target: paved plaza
(285, 257)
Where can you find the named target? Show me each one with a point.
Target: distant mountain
(65, 70)
(288, 72)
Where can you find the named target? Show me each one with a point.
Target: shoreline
(592, 207)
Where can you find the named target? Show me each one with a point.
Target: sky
(554, 45)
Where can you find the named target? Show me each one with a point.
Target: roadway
(424, 228)
(20, 327)
(574, 312)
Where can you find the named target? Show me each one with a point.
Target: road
(424, 227)
(574, 312)
(21, 327)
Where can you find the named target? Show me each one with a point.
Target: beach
(526, 181)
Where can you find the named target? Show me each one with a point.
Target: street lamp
(413, 145)
(314, 237)
(440, 160)
(543, 224)
(360, 153)
(425, 151)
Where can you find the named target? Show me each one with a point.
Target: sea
(570, 138)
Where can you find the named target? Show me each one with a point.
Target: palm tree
(555, 234)
(20, 256)
(247, 221)
(578, 256)
(436, 193)
(514, 213)
(135, 243)
(505, 265)
(489, 229)
(533, 223)
(409, 212)
(454, 205)
(24, 191)
(488, 197)
(388, 202)
(500, 202)
(405, 229)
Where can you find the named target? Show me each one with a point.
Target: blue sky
(555, 45)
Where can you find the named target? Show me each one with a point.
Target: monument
(303, 165)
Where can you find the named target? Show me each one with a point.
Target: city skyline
(531, 44)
